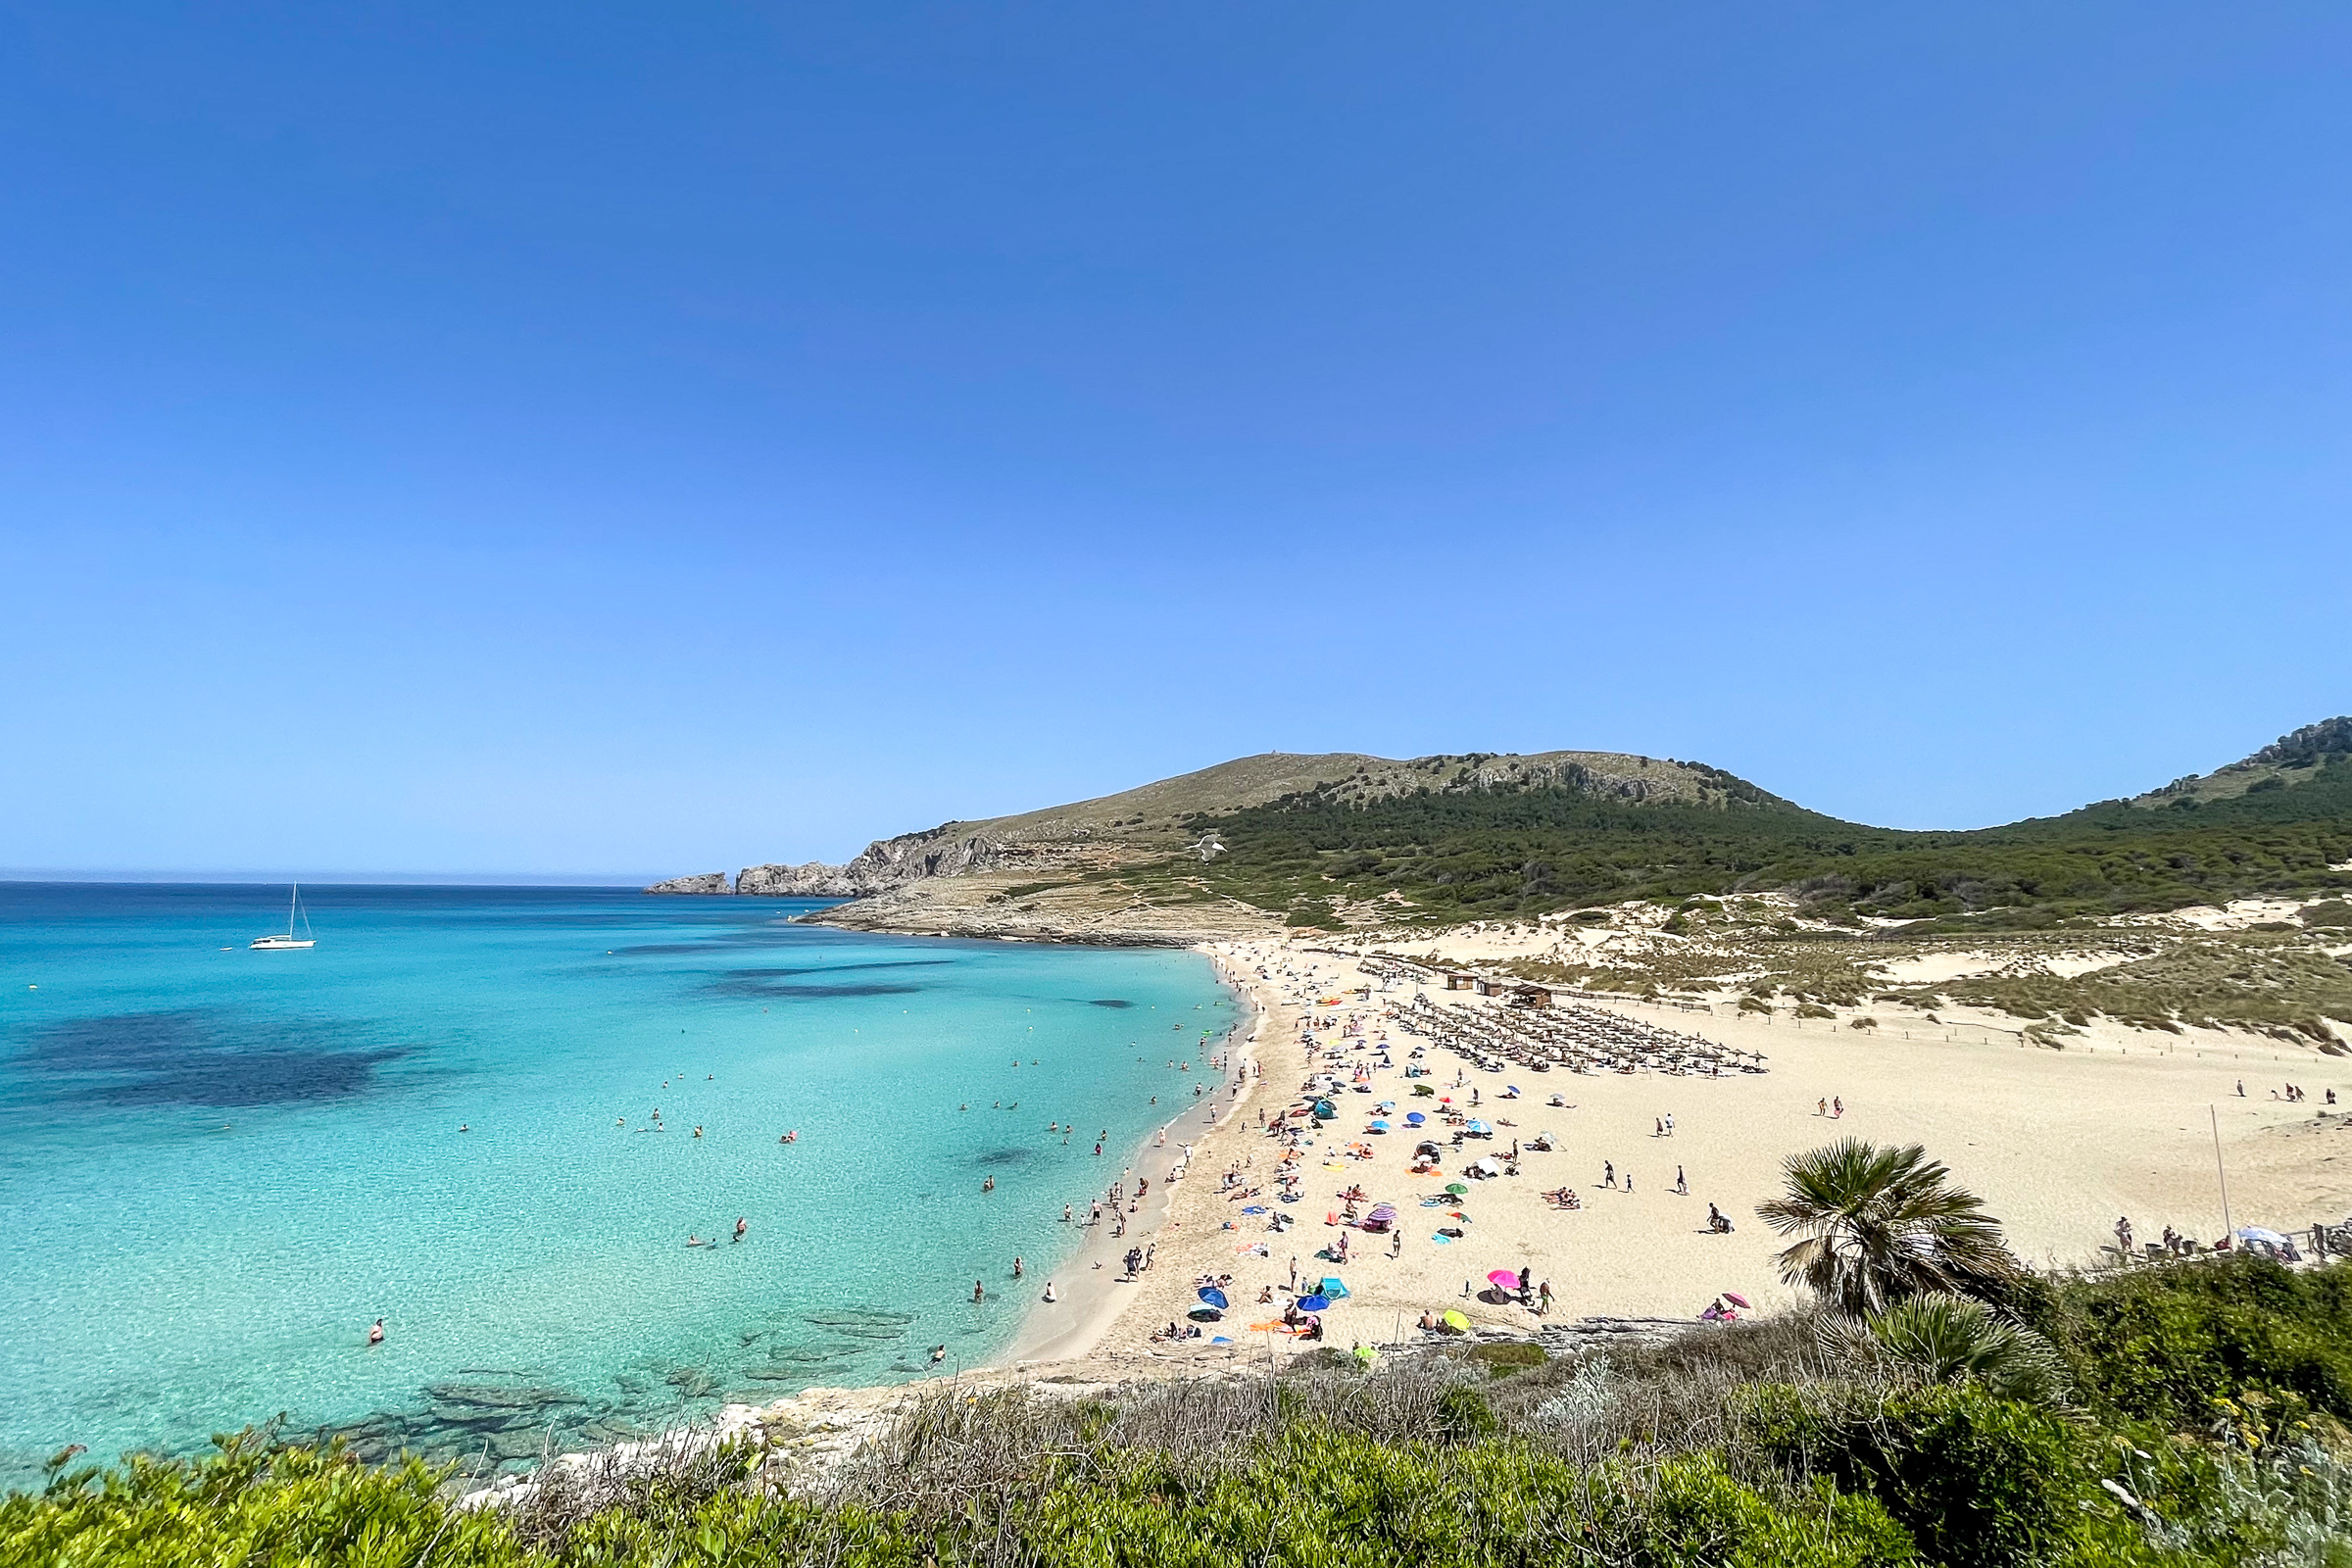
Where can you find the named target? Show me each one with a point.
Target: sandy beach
(2059, 1143)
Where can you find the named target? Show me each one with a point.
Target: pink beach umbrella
(1505, 1278)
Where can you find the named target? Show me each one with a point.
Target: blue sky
(635, 438)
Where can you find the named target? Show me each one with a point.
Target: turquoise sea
(219, 1167)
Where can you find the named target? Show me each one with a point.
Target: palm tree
(1949, 1339)
(1881, 1225)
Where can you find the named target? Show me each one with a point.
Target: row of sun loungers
(1569, 1035)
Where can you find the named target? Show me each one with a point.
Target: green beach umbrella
(1457, 1189)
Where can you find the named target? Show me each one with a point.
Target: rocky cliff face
(814, 880)
(708, 883)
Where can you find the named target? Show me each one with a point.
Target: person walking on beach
(2123, 1234)
(1820, 1107)
(1608, 1174)
(1837, 1110)
(1681, 1188)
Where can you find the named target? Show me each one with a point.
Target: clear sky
(648, 438)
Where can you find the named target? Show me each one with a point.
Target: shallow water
(219, 1167)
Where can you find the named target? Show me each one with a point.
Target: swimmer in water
(698, 1132)
(741, 1225)
(978, 1291)
(939, 1353)
(376, 1335)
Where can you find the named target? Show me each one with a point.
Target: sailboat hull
(278, 942)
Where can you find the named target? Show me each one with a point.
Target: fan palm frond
(1876, 1226)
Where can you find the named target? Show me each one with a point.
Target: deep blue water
(219, 1167)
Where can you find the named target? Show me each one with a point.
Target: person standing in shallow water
(376, 1335)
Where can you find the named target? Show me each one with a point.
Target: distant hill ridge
(1155, 815)
(1341, 838)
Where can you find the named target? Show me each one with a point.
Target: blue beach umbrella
(1214, 1297)
(1379, 1126)
(1314, 1303)
(1413, 1118)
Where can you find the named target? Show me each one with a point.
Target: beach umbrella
(1457, 1189)
(1379, 1126)
(1313, 1303)
(1736, 1299)
(1382, 1211)
(1213, 1297)
(1386, 1105)
(1255, 1208)
(1503, 1277)
(2255, 1233)
(1413, 1118)
(1455, 1320)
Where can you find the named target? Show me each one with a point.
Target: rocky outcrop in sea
(709, 882)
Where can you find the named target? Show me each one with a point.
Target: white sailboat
(289, 940)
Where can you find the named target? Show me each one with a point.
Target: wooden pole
(2222, 1172)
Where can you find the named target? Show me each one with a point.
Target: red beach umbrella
(1736, 1299)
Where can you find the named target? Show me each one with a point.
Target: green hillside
(1470, 850)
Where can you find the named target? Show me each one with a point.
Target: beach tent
(1325, 1110)
(1333, 1290)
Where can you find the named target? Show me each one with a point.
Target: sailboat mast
(293, 903)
